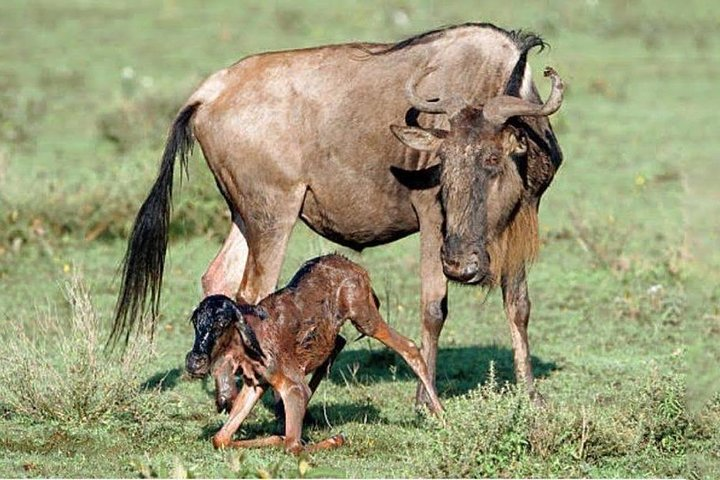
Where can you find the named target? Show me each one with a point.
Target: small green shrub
(63, 374)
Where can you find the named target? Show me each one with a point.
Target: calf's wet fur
(290, 334)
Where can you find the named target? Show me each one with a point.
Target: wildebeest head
(479, 164)
(212, 320)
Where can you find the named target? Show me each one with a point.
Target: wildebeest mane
(522, 39)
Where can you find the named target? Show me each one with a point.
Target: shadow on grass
(162, 381)
(459, 369)
(318, 415)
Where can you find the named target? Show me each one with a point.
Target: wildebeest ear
(422, 139)
(418, 179)
(257, 310)
(252, 346)
(247, 335)
(517, 142)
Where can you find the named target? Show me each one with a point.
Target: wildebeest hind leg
(225, 272)
(267, 237)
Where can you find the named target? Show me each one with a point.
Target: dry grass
(61, 372)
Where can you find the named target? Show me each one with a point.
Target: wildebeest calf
(288, 335)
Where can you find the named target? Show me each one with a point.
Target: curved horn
(499, 109)
(449, 106)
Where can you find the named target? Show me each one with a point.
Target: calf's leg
(368, 321)
(242, 406)
(410, 353)
(317, 376)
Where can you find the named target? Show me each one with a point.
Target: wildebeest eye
(492, 159)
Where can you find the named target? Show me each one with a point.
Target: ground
(625, 319)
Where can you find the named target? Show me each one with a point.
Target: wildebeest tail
(144, 261)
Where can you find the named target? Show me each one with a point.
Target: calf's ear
(252, 346)
(421, 139)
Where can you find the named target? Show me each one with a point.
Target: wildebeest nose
(461, 271)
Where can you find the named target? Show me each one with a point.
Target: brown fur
(299, 337)
(516, 246)
(306, 134)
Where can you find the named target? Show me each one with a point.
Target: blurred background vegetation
(626, 315)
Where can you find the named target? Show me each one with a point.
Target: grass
(625, 321)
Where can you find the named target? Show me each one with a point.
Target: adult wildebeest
(307, 133)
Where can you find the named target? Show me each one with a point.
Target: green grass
(626, 318)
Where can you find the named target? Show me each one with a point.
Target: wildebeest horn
(499, 109)
(449, 106)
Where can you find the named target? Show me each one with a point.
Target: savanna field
(626, 292)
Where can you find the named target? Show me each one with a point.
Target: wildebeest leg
(295, 395)
(410, 353)
(332, 442)
(324, 370)
(225, 272)
(242, 406)
(433, 295)
(317, 376)
(366, 318)
(225, 385)
(517, 309)
(267, 241)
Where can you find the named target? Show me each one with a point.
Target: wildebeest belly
(358, 218)
(315, 342)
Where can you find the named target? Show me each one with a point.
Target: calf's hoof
(220, 442)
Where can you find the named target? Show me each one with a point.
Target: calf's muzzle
(197, 365)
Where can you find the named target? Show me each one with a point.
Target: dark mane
(522, 39)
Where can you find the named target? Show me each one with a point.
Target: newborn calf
(288, 335)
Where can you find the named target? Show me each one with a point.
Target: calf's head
(217, 321)
(480, 162)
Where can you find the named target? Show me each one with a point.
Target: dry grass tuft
(63, 374)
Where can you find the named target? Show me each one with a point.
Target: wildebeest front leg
(433, 295)
(517, 309)
(242, 406)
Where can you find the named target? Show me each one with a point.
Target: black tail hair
(144, 261)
